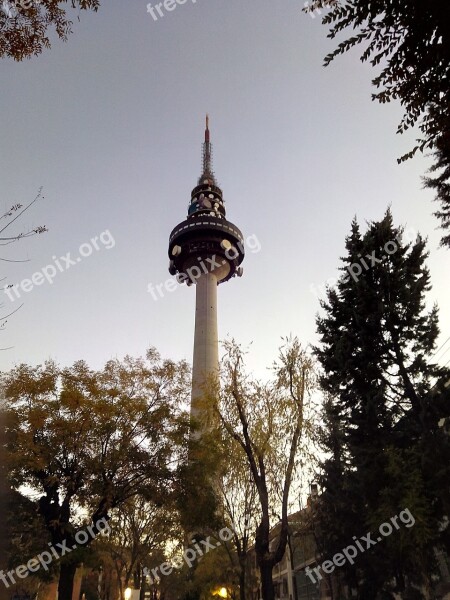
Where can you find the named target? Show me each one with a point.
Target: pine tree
(440, 183)
(382, 418)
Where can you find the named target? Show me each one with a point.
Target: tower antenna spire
(207, 128)
(208, 172)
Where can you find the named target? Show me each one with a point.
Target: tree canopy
(25, 25)
(386, 448)
(93, 440)
(439, 181)
(409, 41)
(272, 425)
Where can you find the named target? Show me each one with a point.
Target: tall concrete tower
(205, 250)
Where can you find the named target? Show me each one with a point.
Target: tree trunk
(4, 594)
(66, 577)
(242, 595)
(267, 589)
(119, 580)
(291, 557)
(142, 584)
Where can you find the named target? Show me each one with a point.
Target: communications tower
(205, 250)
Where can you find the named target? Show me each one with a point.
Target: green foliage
(440, 181)
(409, 41)
(26, 533)
(381, 430)
(25, 24)
(197, 497)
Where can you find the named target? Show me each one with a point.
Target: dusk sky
(110, 124)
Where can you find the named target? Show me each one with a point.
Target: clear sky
(111, 124)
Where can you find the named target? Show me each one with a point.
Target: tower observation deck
(205, 250)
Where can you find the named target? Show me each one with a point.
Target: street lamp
(127, 593)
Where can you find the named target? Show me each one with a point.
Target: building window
(306, 589)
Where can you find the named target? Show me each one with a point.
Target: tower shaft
(205, 365)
